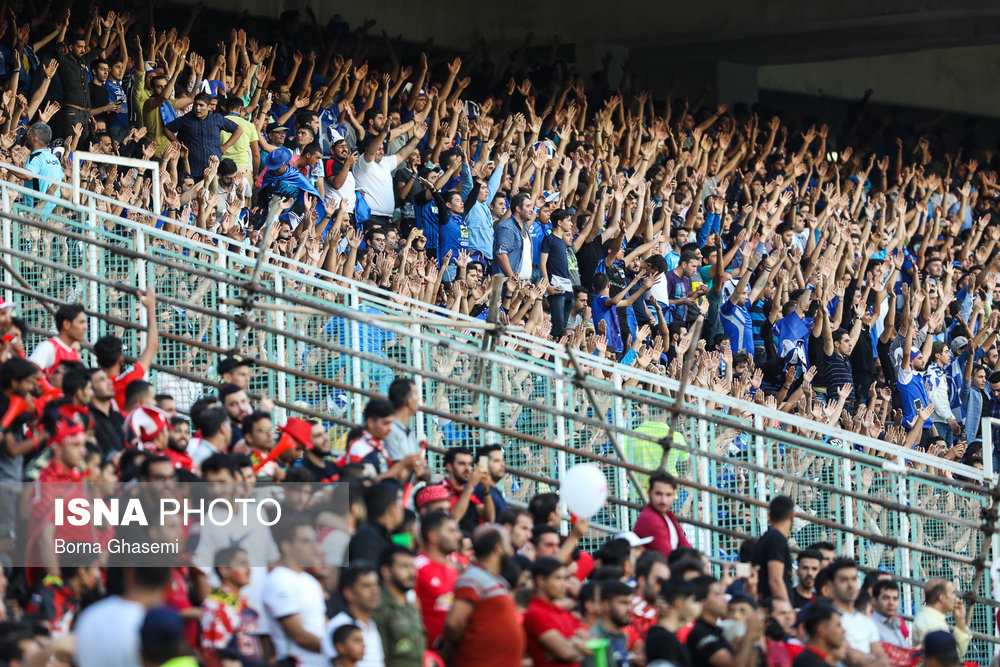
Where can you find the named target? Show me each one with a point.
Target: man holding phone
(462, 479)
(340, 183)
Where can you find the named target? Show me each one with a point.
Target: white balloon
(584, 489)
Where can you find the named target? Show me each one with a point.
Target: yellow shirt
(929, 619)
(239, 152)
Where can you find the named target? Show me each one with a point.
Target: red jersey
(56, 603)
(435, 589)
(179, 600)
(52, 352)
(122, 380)
(54, 481)
(540, 617)
(493, 636)
(644, 616)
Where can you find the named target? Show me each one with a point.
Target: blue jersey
(453, 236)
(609, 314)
(738, 325)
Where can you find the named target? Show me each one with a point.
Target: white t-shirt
(860, 631)
(254, 538)
(107, 634)
(374, 654)
(200, 450)
(661, 289)
(375, 178)
(346, 192)
(525, 272)
(287, 592)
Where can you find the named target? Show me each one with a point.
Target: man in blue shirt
(118, 127)
(604, 307)
(910, 382)
(199, 131)
(44, 167)
(735, 314)
(509, 256)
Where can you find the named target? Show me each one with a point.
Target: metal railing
(325, 343)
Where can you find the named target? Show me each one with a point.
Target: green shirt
(402, 631)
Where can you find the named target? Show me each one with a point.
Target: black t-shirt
(705, 641)
(798, 601)
(809, 659)
(109, 430)
(588, 257)
(772, 546)
(98, 98)
(661, 644)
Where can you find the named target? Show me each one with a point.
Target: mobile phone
(484, 461)
(742, 570)
(918, 405)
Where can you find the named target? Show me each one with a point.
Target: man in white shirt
(71, 323)
(340, 183)
(864, 645)
(373, 172)
(246, 532)
(216, 431)
(360, 589)
(107, 632)
(294, 608)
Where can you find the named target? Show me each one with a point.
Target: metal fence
(324, 344)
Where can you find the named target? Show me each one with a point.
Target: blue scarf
(167, 112)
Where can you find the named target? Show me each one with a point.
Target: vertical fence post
(140, 270)
(618, 414)
(354, 303)
(222, 294)
(704, 499)
(283, 379)
(761, 460)
(560, 388)
(903, 560)
(93, 266)
(417, 361)
(846, 466)
(8, 237)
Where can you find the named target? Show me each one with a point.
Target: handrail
(320, 278)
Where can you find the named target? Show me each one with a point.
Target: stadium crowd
(846, 276)
(843, 275)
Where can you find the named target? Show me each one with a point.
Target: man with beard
(461, 481)
(360, 590)
(436, 572)
(808, 567)
(554, 635)
(237, 404)
(177, 442)
(399, 622)
(651, 570)
(483, 624)
(518, 524)
(258, 431)
(109, 425)
(497, 467)
(316, 459)
(615, 605)
(339, 185)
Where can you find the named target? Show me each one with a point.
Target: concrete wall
(960, 79)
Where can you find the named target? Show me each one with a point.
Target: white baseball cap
(633, 539)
